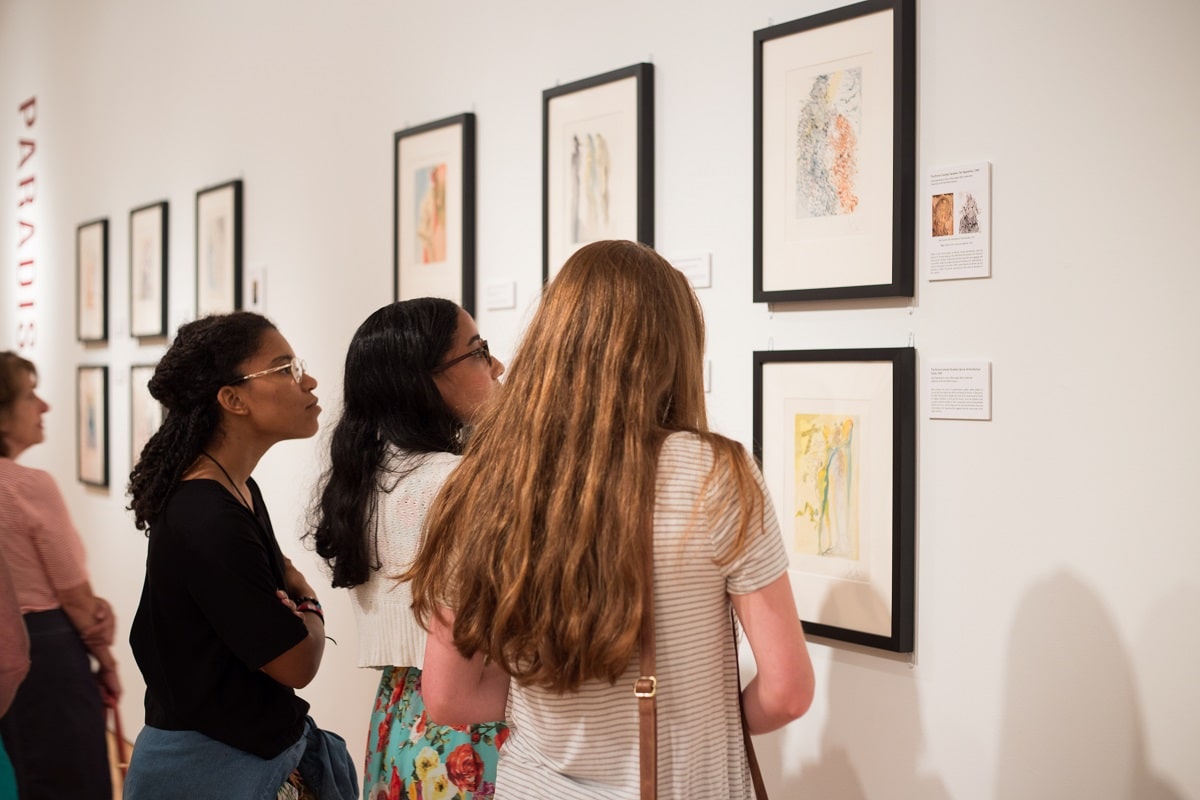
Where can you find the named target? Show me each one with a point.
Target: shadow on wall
(1072, 722)
(872, 742)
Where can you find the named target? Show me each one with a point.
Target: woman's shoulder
(441, 462)
(392, 453)
(199, 502)
(202, 520)
(28, 481)
(197, 489)
(420, 467)
(707, 459)
(690, 447)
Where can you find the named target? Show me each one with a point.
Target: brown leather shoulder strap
(756, 778)
(646, 686)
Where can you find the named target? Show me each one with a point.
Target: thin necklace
(232, 483)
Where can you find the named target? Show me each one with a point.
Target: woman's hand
(103, 628)
(288, 602)
(109, 684)
(298, 666)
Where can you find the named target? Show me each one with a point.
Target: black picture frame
(834, 181)
(835, 432)
(219, 243)
(91, 281)
(434, 259)
(616, 111)
(148, 270)
(91, 433)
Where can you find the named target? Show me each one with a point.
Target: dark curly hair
(204, 357)
(389, 397)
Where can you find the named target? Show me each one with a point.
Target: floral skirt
(409, 758)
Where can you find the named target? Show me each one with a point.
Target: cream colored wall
(1058, 599)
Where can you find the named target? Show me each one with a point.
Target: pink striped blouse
(40, 544)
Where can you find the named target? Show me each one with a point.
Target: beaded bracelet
(308, 607)
(313, 605)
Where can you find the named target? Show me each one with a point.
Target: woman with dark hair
(54, 729)
(227, 628)
(594, 455)
(416, 374)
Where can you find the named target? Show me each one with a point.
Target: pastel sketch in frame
(145, 413)
(597, 162)
(91, 281)
(433, 233)
(148, 272)
(91, 405)
(219, 248)
(835, 431)
(835, 154)
(826, 454)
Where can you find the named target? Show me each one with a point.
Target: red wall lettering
(26, 272)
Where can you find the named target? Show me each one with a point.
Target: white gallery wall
(1058, 593)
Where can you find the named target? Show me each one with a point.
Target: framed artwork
(91, 408)
(219, 249)
(597, 163)
(835, 431)
(434, 205)
(835, 154)
(148, 270)
(91, 281)
(145, 413)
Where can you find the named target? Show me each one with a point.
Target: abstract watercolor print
(93, 422)
(146, 412)
(430, 210)
(217, 246)
(91, 284)
(827, 145)
(943, 214)
(145, 276)
(588, 194)
(827, 485)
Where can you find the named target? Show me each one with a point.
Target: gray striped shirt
(585, 744)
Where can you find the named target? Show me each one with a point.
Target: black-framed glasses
(479, 352)
(295, 368)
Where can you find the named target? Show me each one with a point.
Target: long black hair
(389, 398)
(204, 357)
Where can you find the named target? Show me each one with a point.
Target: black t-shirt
(209, 620)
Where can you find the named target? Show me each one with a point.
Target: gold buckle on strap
(645, 687)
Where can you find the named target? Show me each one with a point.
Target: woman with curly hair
(227, 627)
(416, 373)
(535, 552)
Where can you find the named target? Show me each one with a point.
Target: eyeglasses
(479, 352)
(295, 368)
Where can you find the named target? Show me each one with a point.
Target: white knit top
(388, 634)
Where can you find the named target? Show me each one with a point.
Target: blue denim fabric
(190, 766)
(326, 766)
